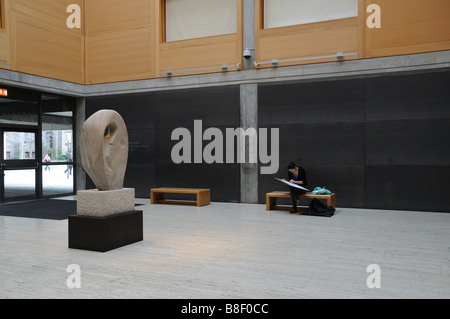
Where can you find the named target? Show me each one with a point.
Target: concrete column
(80, 116)
(249, 118)
(249, 32)
(249, 105)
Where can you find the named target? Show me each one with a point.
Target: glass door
(18, 164)
(57, 148)
(36, 145)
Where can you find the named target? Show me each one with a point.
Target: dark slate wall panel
(347, 181)
(324, 144)
(150, 120)
(137, 110)
(214, 106)
(222, 179)
(408, 187)
(142, 177)
(408, 142)
(366, 139)
(412, 96)
(315, 102)
(142, 145)
(321, 128)
(407, 157)
(377, 142)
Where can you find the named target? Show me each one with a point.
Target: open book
(291, 184)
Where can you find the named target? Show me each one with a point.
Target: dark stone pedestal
(105, 233)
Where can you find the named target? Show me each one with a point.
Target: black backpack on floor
(317, 208)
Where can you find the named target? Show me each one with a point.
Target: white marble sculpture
(104, 149)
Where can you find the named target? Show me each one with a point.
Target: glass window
(282, 13)
(57, 136)
(19, 145)
(57, 145)
(189, 19)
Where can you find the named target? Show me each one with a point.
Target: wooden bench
(158, 196)
(271, 199)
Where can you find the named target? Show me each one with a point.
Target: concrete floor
(228, 250)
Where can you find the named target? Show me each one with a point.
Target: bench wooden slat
(271, 199)
(157, 196)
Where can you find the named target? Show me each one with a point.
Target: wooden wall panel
(113, 15)
(309, 40)
(123, 43)
(5, 50)
(2, 14)
(41, 51)
(410, 26)
(122, 40)
(41, 42)
(5, 60)
(119, 56)
(203, 55)
(200, 55)
(313, 43)
(119, 40)
(5, 38)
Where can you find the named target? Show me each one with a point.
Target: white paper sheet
(291, 184)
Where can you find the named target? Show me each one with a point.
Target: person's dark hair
(291, 165)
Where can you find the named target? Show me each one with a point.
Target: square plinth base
(104, 203)
(105, 233)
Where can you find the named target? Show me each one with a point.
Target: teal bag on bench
(321, 191)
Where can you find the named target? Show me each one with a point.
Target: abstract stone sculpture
(104, 149)
(106, 217)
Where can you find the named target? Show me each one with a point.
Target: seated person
(296, 175)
